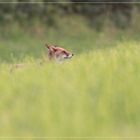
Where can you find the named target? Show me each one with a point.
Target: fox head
(57, 53)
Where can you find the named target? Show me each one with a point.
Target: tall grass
(94, 94)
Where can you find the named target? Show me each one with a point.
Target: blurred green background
(26, 26)
(95, 94)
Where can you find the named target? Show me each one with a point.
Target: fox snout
(58, 53)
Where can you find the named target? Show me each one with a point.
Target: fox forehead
(55, 48)
(61, 50)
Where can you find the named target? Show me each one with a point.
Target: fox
(54, 53)
(57, 53)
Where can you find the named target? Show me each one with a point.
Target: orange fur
(58, 53)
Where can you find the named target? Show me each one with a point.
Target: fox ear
(50, 47)
(46, 45)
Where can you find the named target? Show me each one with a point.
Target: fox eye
(65, 52)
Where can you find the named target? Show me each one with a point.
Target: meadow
(95, 94)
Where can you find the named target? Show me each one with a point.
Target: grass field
(94, 94)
